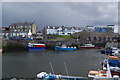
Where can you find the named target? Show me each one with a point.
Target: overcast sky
(79, 14)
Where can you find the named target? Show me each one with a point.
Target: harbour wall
(21, 45)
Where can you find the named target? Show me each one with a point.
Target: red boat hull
(115, 73)
(40, 46)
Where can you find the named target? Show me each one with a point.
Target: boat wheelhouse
(36, 47)
(87, 46)
(65, 48)
(109, 51)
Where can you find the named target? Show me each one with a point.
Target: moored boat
(114, 66)
(110, 67)
(114, 63)
(109, 51)
(87, 46)
(103, 73)
(65, 48)
(117, 53)
(36, 47)
(98, 74)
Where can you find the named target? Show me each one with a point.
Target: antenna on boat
(52, 68)
(66, 68)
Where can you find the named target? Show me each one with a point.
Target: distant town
(29, 29)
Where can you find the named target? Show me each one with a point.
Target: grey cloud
(62, 13)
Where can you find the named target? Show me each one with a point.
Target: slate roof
(69, 28)
(21, 24)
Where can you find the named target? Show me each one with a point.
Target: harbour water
(28, 64)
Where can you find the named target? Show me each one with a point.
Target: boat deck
(53, 77)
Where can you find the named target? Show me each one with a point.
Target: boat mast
(108, 69)
(66, 68)
(52, 68)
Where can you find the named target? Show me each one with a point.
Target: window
(25, 26)
(95, 38)
(113, 39)
(69, 33)
(30, 27)
(100, 39)
(104, 38)
(17, 26)
(48, 27)
(15, 30)
(108, 39)
(89, 38)
(21, 26)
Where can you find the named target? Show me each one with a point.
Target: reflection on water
(28, 64)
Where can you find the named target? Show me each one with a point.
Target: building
(116, 29)
(61, 30)
(24, 26)
(22, 29)
(90, 28)
(104, 29)
(18, 30)
(39, 35)
(94, 37)
(108, 28)
(4, 32)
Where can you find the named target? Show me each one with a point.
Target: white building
(116, 29)
(22, 29)
(51, 30)
(61, 30)
(39, 35)
(90, 28)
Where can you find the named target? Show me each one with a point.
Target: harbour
(29, 64)
(60, 41)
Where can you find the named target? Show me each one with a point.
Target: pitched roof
(69, 28)
(21, 24)
(53, 27)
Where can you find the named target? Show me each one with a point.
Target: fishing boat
(46, 76)
(42, 75)
(65, 48)
(109, 51)
(87, 46)
(103, 73)
(99, 74)
(110, 69)
(36, 47)
(117, 53)
(114, 63)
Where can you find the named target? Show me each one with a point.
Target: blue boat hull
(65, 49)
(108, 52)
(36, 48)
